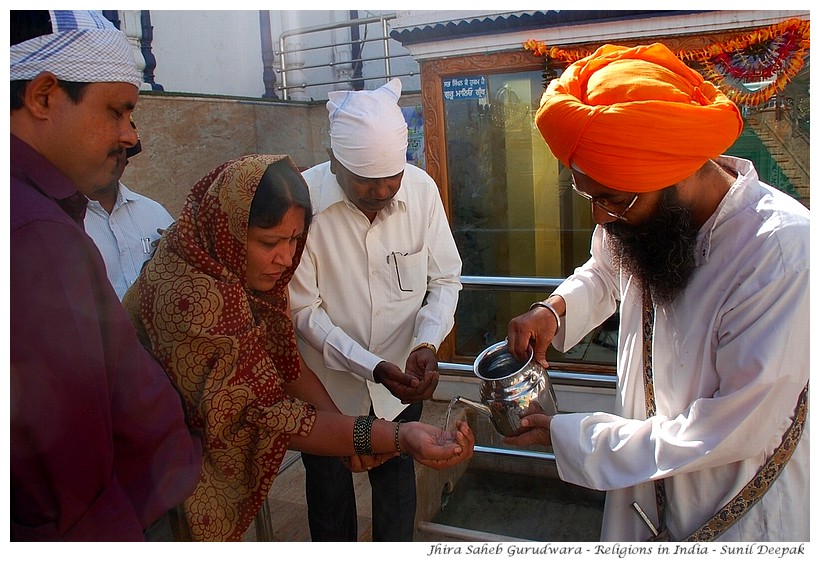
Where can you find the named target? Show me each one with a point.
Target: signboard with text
(464, 88)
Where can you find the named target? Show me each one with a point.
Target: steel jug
(510, 389)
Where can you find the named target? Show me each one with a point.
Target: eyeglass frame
(620, 216)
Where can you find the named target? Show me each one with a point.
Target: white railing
(318, 59)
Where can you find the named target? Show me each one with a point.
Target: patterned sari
(227, 349)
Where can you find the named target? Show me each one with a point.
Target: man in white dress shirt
(373, 298)
(125, 226)
(709, 269)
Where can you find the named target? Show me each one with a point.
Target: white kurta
(127, 236)
(730, 358)
(365, 293)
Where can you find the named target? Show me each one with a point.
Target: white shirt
(730, 358)
(365, 293)
(126, 237)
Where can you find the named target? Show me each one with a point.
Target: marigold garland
(776, 53)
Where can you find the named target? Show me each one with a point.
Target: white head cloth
(83, 47)
(368, 133)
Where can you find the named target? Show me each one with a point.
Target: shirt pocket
(408, 273)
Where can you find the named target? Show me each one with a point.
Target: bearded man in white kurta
(725, 260)
(374, 296)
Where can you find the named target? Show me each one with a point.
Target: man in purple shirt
(99, 446)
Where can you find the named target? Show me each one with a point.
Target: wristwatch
(423, 345)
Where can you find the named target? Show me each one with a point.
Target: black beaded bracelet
(362, 437)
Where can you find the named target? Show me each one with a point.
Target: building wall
(220, 51)
(185, 137)
(208, 52)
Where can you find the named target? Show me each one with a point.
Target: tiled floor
(288, 510)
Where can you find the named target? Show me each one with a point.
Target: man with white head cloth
(373, 298)
(100, 450)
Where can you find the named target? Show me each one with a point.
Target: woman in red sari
(212, 306)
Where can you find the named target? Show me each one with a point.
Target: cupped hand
(423, 364)
(405, 386)
(436, 447)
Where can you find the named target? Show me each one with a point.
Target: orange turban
(636, 119)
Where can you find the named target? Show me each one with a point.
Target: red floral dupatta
(227, 349)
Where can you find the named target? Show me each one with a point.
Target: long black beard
(659, 252)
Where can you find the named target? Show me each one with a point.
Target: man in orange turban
(708, 268)
(636, 120)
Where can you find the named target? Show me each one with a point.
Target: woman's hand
(363, 463)
(435, 447)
